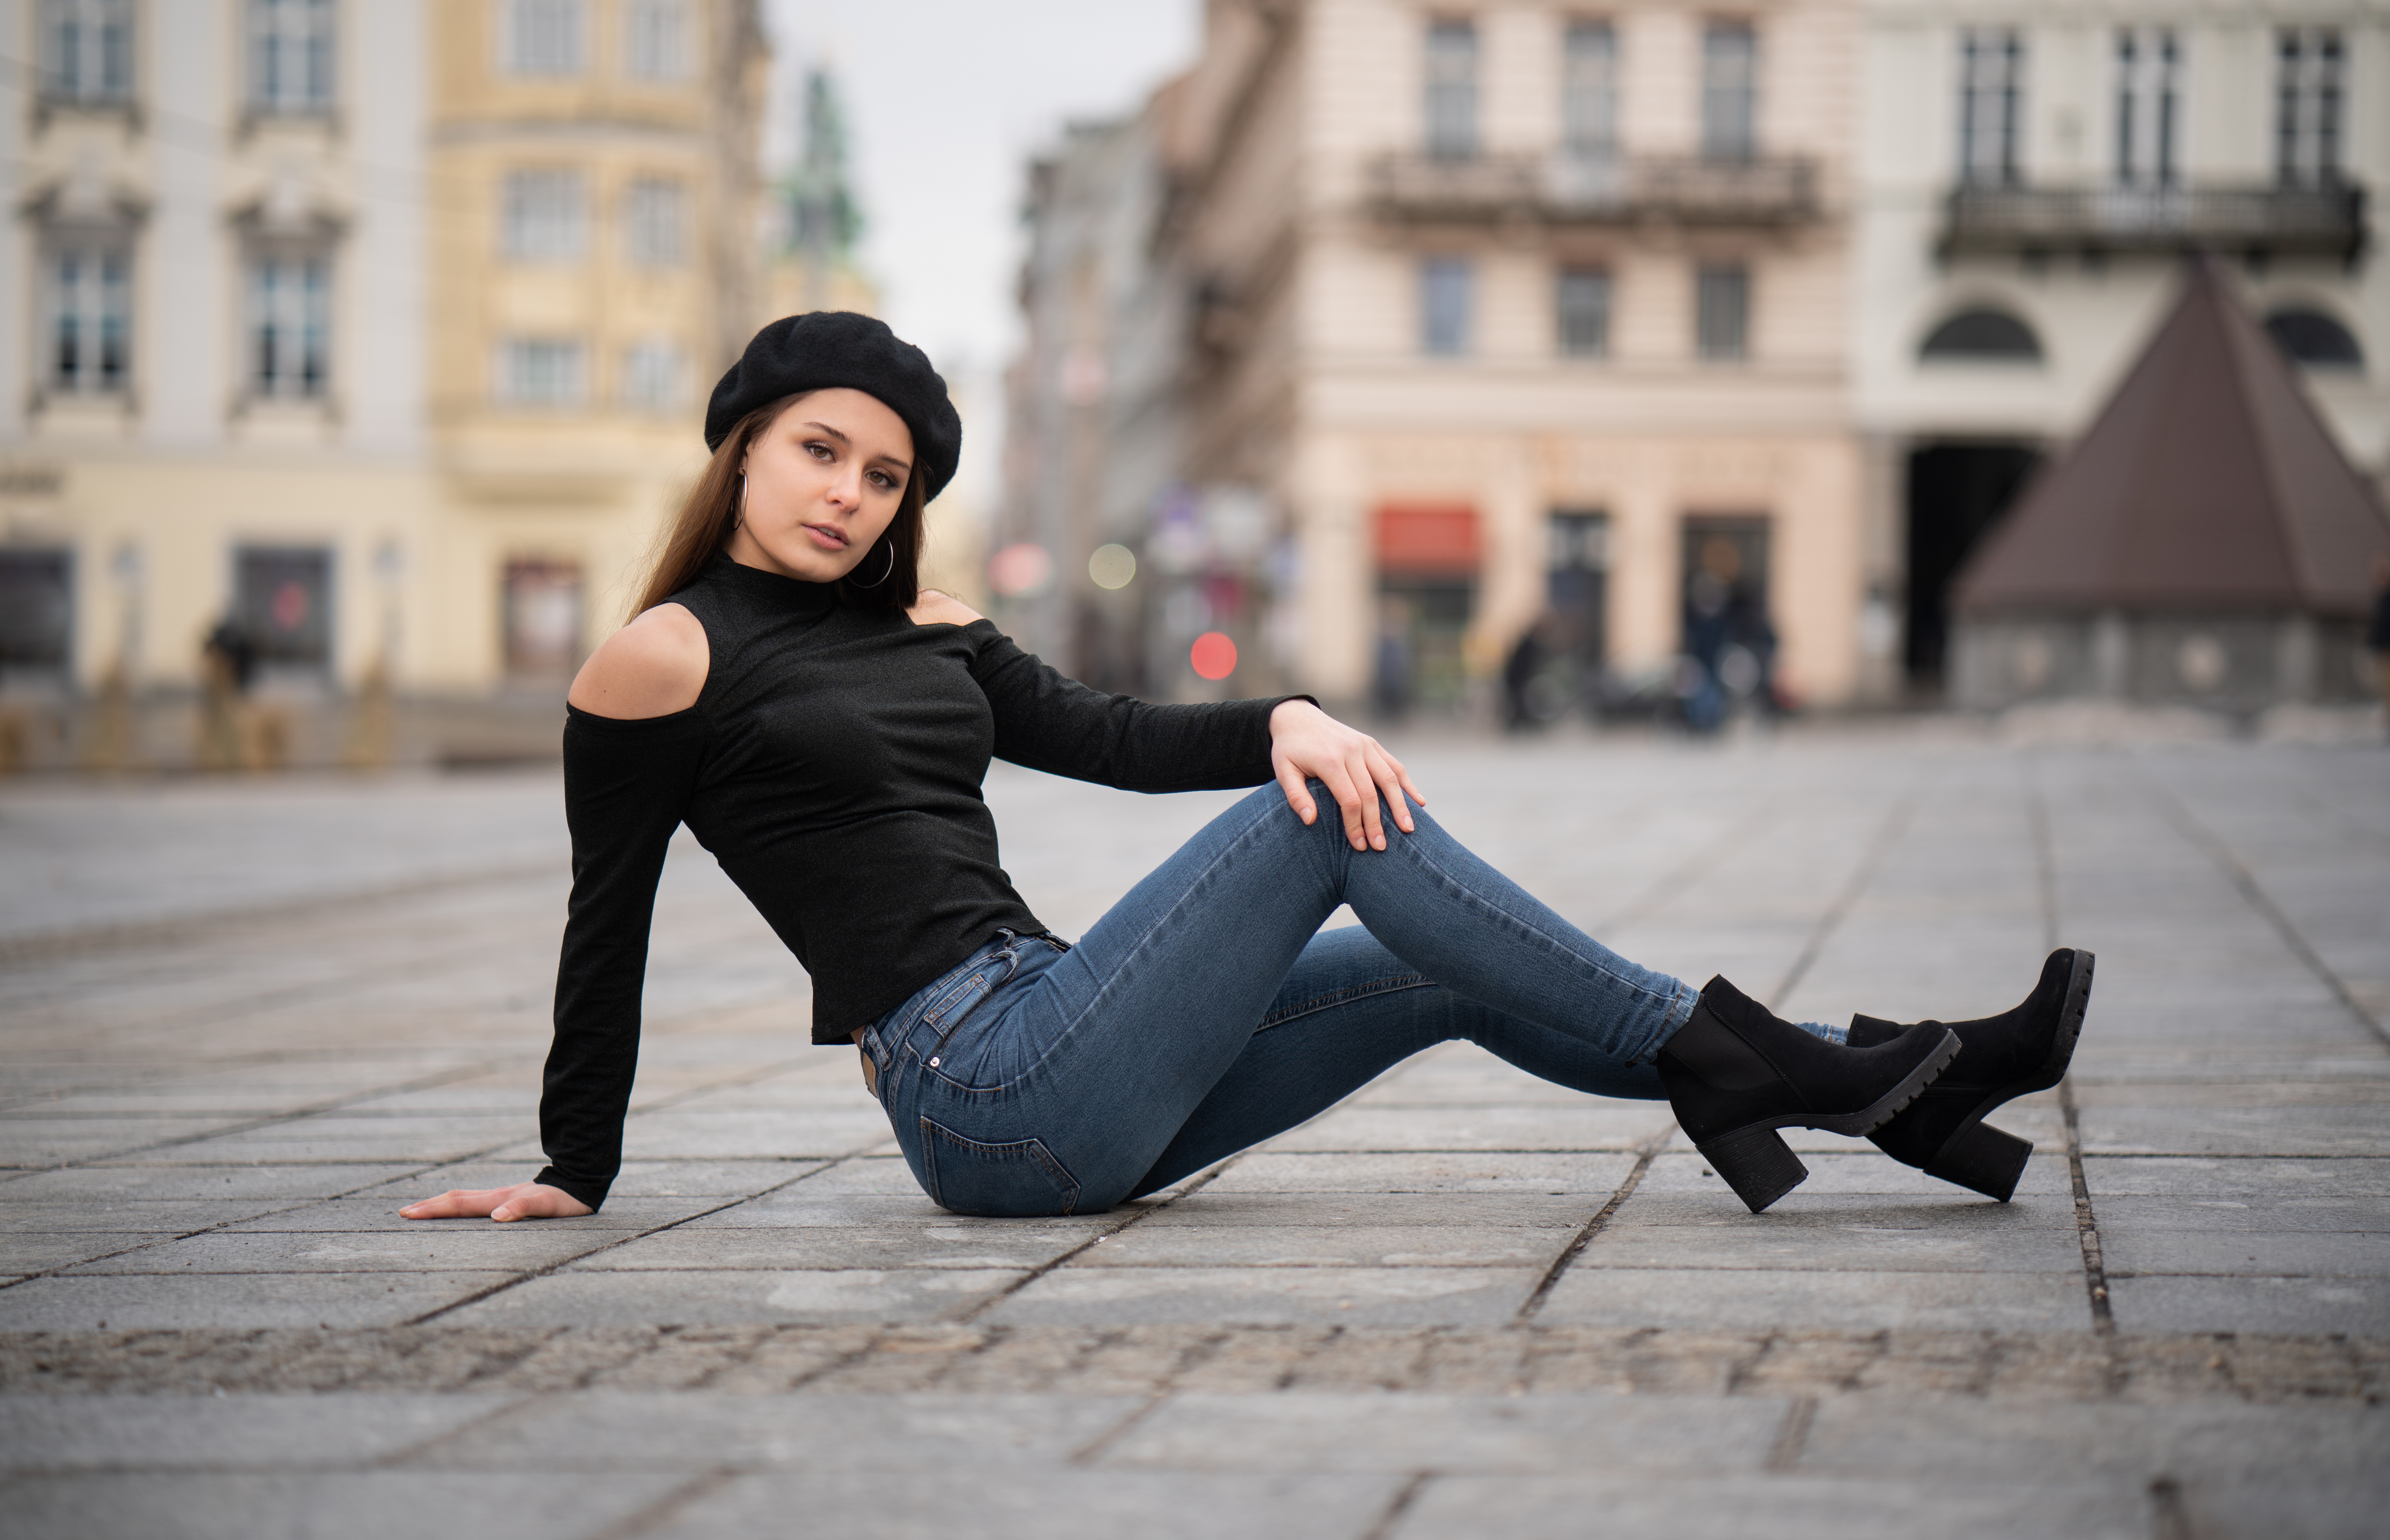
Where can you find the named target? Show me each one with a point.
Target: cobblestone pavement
(242, 1022)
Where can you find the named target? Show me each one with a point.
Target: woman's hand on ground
(1307, 744)
(524, 1200)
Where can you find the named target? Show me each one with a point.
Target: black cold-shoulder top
(832, 765)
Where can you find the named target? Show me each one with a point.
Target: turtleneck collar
(788, 593)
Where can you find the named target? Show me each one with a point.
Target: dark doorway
(1957, 492)
(1577, 587)
(282, 598)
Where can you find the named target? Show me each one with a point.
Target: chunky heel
(1983, 1158)
(1758, 1164)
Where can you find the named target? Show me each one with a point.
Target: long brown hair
(711, 512)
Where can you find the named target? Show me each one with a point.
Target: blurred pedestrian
(2377, 633)
(1390, 674)
(823, 726)
(1528, 656)
(227, 667)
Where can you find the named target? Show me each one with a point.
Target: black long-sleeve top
(832, 765)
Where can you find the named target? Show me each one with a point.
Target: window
(2147, 105)
(282, 598)
(36, 610)
(87, 50)
(1589, 90)
(1991, 82)
(543, 618)
(1983, 334)
(652, 376)
(290, 326)
(1452, 89)
(1721, 310)
(1445, 286)
(90, 320)
(2307, 102)
(652, 220)
(543, 37)
(1582, 307)
(1729, 91)
(541, 371)
(291, 55)
(2317, 341)
(545, 215)
(655, 39)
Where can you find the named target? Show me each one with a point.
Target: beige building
(379, 328)
(2030, 174)
(1512, 307)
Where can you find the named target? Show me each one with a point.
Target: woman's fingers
(1386, 773)
(456, 1204)
(1365, 791)
(1292, 780)
(522, 1200)
(532, 1201)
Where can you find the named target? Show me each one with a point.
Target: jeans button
(934, 1061)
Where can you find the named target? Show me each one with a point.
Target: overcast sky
(946, 100)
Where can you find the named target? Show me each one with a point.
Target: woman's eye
(819, 451)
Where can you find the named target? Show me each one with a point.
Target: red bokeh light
(1214, 655)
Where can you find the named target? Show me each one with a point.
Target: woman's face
(823, 483)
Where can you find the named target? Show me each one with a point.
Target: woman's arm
(628, 772)
(1048, 722)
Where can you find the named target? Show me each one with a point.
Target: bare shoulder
(937, 608)
(654, 666)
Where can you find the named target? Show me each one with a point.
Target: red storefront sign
(1427, 538)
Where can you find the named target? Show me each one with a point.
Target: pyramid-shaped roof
(2207, 483)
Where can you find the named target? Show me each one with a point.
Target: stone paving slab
(356, 1505)
(726, 1297)
(1050, 1505)
(1465, 1302)
(1233, 1296)
(1752, 1296)
(271, 1432)
(85, 1303)
(1657, 1434)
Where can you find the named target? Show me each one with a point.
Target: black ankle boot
(2008, 1055)
(1736, 1073)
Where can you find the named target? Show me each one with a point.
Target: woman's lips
(825, 537)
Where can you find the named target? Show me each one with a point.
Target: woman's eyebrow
(901, 465)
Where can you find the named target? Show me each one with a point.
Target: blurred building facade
(2029, 178)
(1670, 332)
(377, 328)
(1500, 311)
(1093, 412)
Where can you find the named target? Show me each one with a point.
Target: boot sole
(1986, 1159)
(1760, 1168)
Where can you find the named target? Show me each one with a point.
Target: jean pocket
(1019, 1180)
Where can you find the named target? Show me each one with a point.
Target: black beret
(831, 347)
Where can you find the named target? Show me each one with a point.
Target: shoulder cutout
(654, 666)
(937, 608)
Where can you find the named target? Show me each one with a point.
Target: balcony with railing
(2271, 220)
(1578, 189)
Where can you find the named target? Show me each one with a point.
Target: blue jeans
(1206, 1011)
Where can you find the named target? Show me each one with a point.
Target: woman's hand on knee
(1307, 744)
(522, 1200)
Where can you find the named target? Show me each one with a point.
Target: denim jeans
(1207, 1011)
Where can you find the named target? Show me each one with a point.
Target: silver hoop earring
(884, 576)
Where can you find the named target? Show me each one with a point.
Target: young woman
(823, 725)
